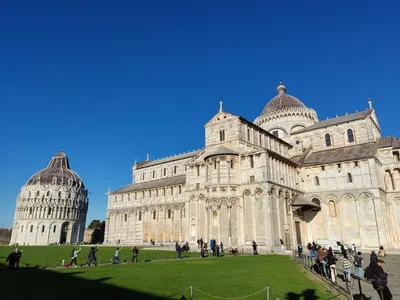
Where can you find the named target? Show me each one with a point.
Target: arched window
(154, 173)
(48, 193)
(30, 210)
(125, 217)
(175, 169)
(169, 214)
(140, 216)
(328, 141)
(332, 208)
(317, 202)
(231, 163)
(115, 198)
(350, 135)
(37, 193)
(349, 178)
(59, 194)
(316, 181)
(22, 228)
(154, 214)
(49, 211)
(222, 135)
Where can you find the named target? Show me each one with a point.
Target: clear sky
(110, 81)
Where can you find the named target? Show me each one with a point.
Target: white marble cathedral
(286, 176)
(51, 207)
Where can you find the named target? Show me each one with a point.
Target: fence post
(267, 292)
(359, 286)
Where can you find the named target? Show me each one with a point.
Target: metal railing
(309, 262)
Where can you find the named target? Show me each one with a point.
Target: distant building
(5, 236)
(88, 238)
(51, 207)
(286, 176)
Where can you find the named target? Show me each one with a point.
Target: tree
(95, 224)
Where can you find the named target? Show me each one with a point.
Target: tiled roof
(171, 181)
(299, 159)
(338, 120)
(221, 150)
(389, 141)
(348, 153)
(149, 163)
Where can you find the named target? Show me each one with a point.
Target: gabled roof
(149, 163)
(165, 182)
(338, 120)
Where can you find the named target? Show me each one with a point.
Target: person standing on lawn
(74, 256)
(116, 256)
(92, 256)
(179, 251)
(135, 254)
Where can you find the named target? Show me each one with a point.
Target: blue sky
(109, 82)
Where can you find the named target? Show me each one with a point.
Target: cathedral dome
(282, 101)
(58, 172)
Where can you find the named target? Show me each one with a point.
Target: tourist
(221, 246)
(198, 244)
(346, 263)
(321, 261)
(187, 245)
(254, 245)
(179, 251)
(373, 259)
(379, 279)
(18, 254)
(74, 256)
(201, 243)
(116, 256)
(331, 260)
(282, 245)
(358, 261)
(11, 259)
(135, 254)
(213, 249)
(353, 249)
(92, 256)
(217, 249)
(300, 250)
(382, 252)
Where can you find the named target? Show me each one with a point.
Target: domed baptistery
(51, 207)
(285, 114)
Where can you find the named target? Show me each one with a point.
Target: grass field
(49, 255)
(226, 277)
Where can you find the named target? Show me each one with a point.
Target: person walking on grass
(74, 256)
(135, 254)
(116, 256)
(179, 251)
(92, 256)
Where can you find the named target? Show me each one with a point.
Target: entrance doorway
(298, 232)
(64, 233)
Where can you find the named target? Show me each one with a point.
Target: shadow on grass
(34, 283)
(305, 295)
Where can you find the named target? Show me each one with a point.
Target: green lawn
(226, 277)
(49, 255)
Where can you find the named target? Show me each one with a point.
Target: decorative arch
(246, 193)
(258, 192)
(201, 197)
(366, 197)
(224, 201)
(192, 198)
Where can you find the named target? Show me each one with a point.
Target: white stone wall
(42, 211)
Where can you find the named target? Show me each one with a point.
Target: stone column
(229, 208)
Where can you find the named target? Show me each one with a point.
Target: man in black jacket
(379, 279)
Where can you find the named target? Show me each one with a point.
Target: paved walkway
(392, 267)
